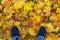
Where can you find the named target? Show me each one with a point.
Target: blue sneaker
(42, 31)
(14, 31)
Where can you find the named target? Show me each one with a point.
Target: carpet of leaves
(29, 16)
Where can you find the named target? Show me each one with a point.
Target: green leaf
(52, 5)
(0, 29)
(59, 6)
(59, 31)
(36, 35)
(21, 25)
(3, 14)
(34, 1)
(48, 22)
(26, 37)
(56, 32)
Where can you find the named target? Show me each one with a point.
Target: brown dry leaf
(35, 22)
(53, 10)
(30, 23)
(55, 1)
(24, 31)
(7, 3)
(25, 23)
(7, 32)
(5, 36)
(47, 10)
(57, 23)
(0, 34)
(17, 16)
(10, 22)
(44, 19)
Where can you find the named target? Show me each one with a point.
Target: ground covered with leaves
(29, 16)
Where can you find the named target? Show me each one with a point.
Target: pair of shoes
(15, 31)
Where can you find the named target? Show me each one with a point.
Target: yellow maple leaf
(18, 5)
(50, 27)
(58, 10)
(38, 18)
(53, 17)
(9, 16)
(31, 31)
(28, 5)
(17, 23)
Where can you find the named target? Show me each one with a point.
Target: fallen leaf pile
(29, 16)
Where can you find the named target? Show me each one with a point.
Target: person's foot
(42, 31)
(14, 31)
